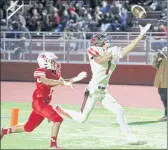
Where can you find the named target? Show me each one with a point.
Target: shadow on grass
(142, 122)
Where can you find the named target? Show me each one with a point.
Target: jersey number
(109, 66)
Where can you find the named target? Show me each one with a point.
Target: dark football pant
(163, 95)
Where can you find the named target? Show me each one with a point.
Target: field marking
(112, 115)
(121, 137)
(97, 114)
(89, 121)
(96, 135)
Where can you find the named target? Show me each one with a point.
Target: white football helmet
(47, 60)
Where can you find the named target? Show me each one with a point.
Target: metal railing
(72, 47)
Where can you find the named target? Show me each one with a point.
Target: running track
(131, 96)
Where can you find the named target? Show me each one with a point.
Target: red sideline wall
(124, 74)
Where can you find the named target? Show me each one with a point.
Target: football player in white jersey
(103, 57)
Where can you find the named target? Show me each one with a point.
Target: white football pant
(108, 102)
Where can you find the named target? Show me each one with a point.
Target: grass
(100, 131)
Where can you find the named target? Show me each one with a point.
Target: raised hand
(143, 30)
(80, 76)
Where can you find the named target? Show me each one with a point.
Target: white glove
(66, 83)
(109, 50)
(143, 30)
(115, 52)
(80, 76)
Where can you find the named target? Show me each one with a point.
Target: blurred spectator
(33, 21)
(105, 7)
(115, 9)
(4, 8)
(51, 8)
(2, 21)
(34, 7)
(162, 40)
(20, 48)
(126, 5)
(40, 8)
(2, 3)
(1, 13)
(106, 22)
(21, 19)
(12, 2)
(98, 16)
(45, 21)
(124, 16)
(64, 18)
(25, 33)
(87, 19)
(54, 15)
(73, 15)
(160, 63)
(156, 6)
(55, 19)
(78, 9)
(94, 3)
(43, 2)
(163, 16)
(162, 28)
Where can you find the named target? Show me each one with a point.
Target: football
(138, 11)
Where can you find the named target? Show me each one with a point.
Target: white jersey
(101, 73)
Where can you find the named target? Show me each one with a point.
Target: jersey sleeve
(39, 73)
(92, 52)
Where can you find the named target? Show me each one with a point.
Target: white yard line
(99, 114)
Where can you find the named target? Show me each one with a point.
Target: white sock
(76, 116)
(122, 122)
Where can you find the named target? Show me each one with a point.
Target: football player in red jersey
(47, 76)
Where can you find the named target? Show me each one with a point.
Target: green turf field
(100, 131)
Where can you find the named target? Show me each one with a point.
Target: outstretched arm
(134, 43)
(79, 77)
(50, 82)
(117, 53)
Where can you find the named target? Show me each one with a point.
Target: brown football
(138, 11)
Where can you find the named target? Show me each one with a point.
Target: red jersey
(43, 91)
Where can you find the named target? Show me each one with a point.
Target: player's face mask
(107, 45)
(53, 64)
(101, 40)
